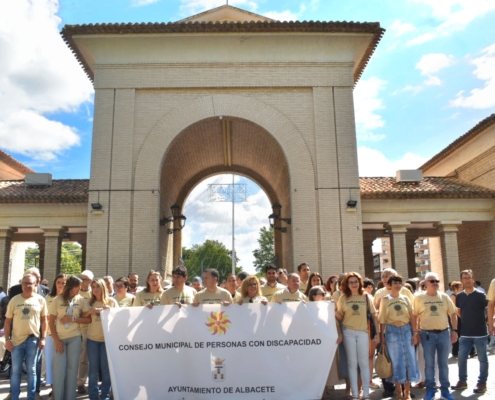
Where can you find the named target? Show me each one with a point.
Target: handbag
(383, 363)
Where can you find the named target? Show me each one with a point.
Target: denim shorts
(402, 354)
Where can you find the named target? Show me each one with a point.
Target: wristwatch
(454, 330)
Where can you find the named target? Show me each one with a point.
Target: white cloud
(430, 64)
(281, 16)
(191, 7)
(455, 14)
(374, 163)
(401, 28)
(366, 104)
(139, 3)
(480, 98)
(38, 75)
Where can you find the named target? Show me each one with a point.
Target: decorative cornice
(15, 164)
(69, 31)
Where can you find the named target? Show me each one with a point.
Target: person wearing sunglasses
(251, 291)
(123, 297)
(433, 308)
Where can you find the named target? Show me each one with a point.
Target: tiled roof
(61, 191)
(428, 188)
(374, 28)
(12, 162)
(459, 142)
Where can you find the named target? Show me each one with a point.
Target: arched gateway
(178, 102)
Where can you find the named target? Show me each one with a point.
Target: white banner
(277, 351)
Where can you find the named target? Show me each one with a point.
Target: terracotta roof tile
(61, 191)
(12, 162)
(374, 28)
(428, 188)
(471, 134)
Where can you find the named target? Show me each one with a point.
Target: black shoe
(388, 393)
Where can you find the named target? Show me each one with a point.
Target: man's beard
(132, 286)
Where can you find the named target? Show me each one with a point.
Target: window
(384, 243)
(385, 260)
(385, 251)
(425, 241)
(425, 252)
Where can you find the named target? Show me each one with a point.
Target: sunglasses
(434, 281)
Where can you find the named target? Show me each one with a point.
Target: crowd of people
(58, 333)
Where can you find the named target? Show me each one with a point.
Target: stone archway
(152, 158)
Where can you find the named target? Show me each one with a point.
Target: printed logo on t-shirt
(355, 309)
(398, 310)
(25, 313)
(433, 311)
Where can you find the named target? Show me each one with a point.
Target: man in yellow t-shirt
(26, 312)
(433, 309)
(212, 294)
(291, 292)
(271, 286)
(179, 293)
(384, 291)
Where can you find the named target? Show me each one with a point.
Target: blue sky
(430, 80)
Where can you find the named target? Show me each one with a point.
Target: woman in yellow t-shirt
(64, 320)
(251, 291)
(97, 352)
(124, 298)
(397, 324)
(352, 309)
(57, 289)
(151, 295)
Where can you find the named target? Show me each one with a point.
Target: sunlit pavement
(339, 393)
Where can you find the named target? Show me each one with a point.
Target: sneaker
(480, 388)
(459, 386)
(446, 395)
(430, 395)
(81, 389)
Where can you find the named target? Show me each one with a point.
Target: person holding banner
(64, 321)
(97, 353)
(212, 294)
(123, 297)
(152, 293)
(251, 291)
(352, 310)
(396, 316)
(231, 286)
(291, 292)
(179, 293)
(271, 286)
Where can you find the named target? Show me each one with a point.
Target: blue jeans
(97, 356)
(465, 345)
(29, 350)
(64, 369)
(357, 347)
(436, 343)
(402, 354)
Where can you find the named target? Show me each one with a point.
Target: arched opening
(222, 145)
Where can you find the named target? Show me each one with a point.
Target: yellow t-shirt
(87, 296)
(26, 314)
(174, 295)
(269, 291)
(95, 328)
(143, 298)
(490, 295)
(59, 309)
(381, 293)
(394, 309)
(206, 297)
(354, 310)
(256, 299)
(125, 301)
(433, 311)
(49, 300)
(303, 286)
(336, 296)
(284, 296)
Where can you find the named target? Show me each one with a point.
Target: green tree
(210, 254)
(265, 253)
(71, 259)
(31, 257)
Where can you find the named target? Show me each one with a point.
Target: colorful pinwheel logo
(218, 323)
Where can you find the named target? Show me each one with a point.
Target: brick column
(6, 233)
(41, 259)
(83, 255)
(411, 257)
(398, 232)
(450, 252)
(53, 249)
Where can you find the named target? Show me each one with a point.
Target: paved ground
(339, 393)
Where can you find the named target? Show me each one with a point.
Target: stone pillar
(41, 259)
(369, 269)
(398, 232)
(411, 257)
(450, 252)
(83, 255)
(177, 242)
(53, 249)
(6, 233)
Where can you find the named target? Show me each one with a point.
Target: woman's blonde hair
(104, 292)
(245, 284)
(148, 287)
